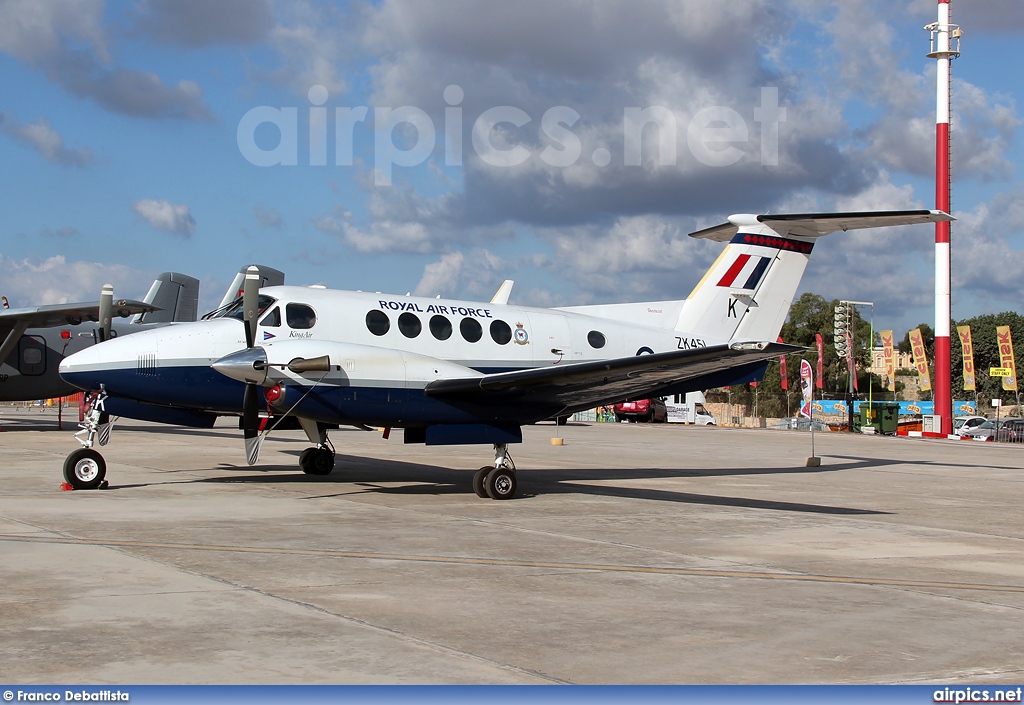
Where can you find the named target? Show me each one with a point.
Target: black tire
(561, 420)
(618, 418)
(304, 458)
(500, 483)
(85, 469)
(320, 461)
(478, 481)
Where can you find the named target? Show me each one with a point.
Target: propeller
(251, 400)
(106, 312)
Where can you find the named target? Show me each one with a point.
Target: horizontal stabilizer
(812, 225)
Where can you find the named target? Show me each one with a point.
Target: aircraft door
(31, 355)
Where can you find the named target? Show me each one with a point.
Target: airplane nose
(248, 365)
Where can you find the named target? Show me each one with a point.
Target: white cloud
(50, 36)
(166, 216)
(475, 274)
(34, 282)
(45, 140)
(313, 42)
(268, 217)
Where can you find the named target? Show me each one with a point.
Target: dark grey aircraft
(34, 340)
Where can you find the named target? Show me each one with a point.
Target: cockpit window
(236, 309)
(300, 316)
(272, 319)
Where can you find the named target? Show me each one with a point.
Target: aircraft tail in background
(177, 297)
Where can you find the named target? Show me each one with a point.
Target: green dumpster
(883, 416)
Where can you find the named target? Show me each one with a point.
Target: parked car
(962, 424)
(988, 430)
(1012, 431)
(642, 410)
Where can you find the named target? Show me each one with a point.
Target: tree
(810, 314)
(986, 354)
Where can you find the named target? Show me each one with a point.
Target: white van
(690, 410)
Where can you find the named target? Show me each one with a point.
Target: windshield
(989, 424)
(235, 309)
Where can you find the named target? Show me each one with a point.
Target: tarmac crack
(556, 565)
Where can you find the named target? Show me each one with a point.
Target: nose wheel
(84, 469)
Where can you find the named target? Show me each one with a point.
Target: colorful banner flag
(968, 354)
(920, 360)
(783, 371)
(1006, 357)
(821, 361)
(807, 387)
(889, 358)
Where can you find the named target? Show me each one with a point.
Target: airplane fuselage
(383, 350)
(31, 370)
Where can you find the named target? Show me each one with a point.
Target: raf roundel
(521, 336)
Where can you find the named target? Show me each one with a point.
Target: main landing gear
(318, 460)
(497, 481)
(85, 468)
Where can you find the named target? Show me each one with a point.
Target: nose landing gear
(85, 468)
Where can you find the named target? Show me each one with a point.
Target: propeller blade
(251, 423)
(106, 311)
(251, 303)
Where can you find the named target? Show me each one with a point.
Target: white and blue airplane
(457, 372)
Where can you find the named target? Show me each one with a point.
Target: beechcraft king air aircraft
(456, 372)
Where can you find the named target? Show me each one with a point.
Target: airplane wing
(587, 384)
(818, 224)
(67, 314)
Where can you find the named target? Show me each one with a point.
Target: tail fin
(747, 293)
(268, 277)
(177, 297)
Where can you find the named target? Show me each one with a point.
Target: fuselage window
(272, 319)
(300, 316)
(501, 333)
(471, 330)
(32, 356)
(596, 339)
(409, 325)
(378, 322)
(440, 327)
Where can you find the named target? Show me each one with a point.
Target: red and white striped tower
(945, 45)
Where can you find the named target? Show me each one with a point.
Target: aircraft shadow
(367, 475)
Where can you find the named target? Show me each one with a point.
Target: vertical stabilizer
(747, 293)
(268, 277)
(177, 297)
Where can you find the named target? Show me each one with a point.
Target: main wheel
(304, 458)
(85, 469)
(479, 477)
(500, 483)
(561, 420)
(320, 461)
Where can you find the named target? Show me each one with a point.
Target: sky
(440, 147)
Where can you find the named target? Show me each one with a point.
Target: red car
(642, 410)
